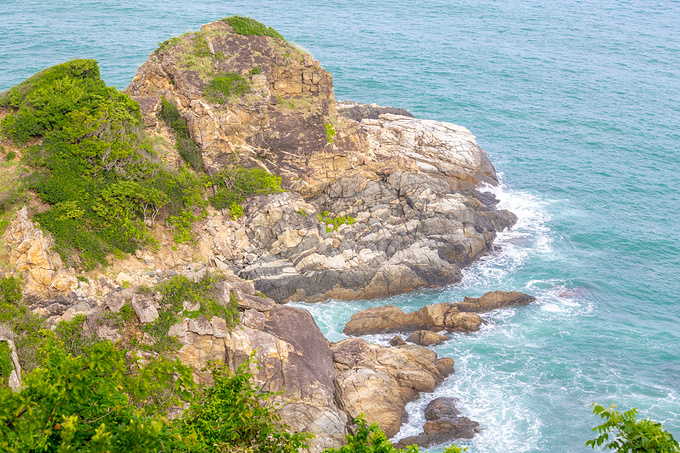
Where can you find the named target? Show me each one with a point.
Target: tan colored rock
(31, 252)
(378, 381)
(462, 322)
(426, 338)
(493, 300)
(144, 309)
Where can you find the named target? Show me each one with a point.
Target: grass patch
(249, 26)
(228, 85)
(332, 223)
(167, 44)
(185, 145)
(330, 132)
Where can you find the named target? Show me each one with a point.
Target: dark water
(577, 104)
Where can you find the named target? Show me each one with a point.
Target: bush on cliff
(93, 164)
(623, 433)
(249, 26)
(100, 401)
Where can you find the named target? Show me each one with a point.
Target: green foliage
(95, 167)
(301, 212)
(330, 131)
(256, 70)
(185, 145)
(4, 223)
(233, 416)
(232, 185)
(10, 290)
(71, 333)
(235, 210)
(332, 223)
(178, 290)
(629, 435)
(94, 402)
(6, 365)
(168, 44)
(228, 85)
(249, 26)
(10, 156)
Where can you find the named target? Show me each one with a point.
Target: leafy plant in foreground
(622, 432)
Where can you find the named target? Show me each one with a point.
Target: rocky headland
(375, 203)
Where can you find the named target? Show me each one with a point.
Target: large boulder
(378, 381)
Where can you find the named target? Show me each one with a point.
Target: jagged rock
(31, 252)
(358, 112)
(426, 338)
(144, 309)
(378, 381)
(397, 341)
(444, 424)
(448, 316)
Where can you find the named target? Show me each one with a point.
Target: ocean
(577, 104)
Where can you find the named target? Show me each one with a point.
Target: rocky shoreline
(411, 187)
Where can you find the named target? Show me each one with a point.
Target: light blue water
(578, 105)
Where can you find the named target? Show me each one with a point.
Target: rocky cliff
(376, 203)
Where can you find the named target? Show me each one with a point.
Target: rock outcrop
(30, 252)
(410, 185)
(444, 424)
(459, 316)
(378, 381)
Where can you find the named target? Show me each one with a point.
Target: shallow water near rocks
(578, 106)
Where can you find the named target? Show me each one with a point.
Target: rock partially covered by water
(444, 424)
(358, 112)
(378, 381)
(459, 316)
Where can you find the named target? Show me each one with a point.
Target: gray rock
(144, 309)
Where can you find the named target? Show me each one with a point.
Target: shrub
(233, 415)
(229, 84)
(249, 26)
(332, 223)
(330, 132)
(256, 70)
(185, 145)
(10, 156)
(629, 434)
(232, 185)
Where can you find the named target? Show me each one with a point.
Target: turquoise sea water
(577, 104)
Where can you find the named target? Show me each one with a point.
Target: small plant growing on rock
(249, 26)
(332, 223)
(185, 145)
(301, 213)
(330, 132)
(256, 70)
(221, 89)
(235, 210)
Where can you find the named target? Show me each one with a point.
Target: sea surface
(577, 104)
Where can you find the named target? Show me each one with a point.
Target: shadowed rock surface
(444, 424)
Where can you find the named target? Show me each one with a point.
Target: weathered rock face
(411, 230)
(31, 252)
(460, 316)
(357, 112)
(378, 381)
(444, 424)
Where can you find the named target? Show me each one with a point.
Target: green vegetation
(168, 44)
(10, 156)
(256, 70)
(249, 26)
(372, 439)
(228, 86)
(232, 185)
(330, 132)
(176, 291)
(94, 166)
(301, 212)
(332, 223)
(185, 145)
(234, 416)
(630, 435)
